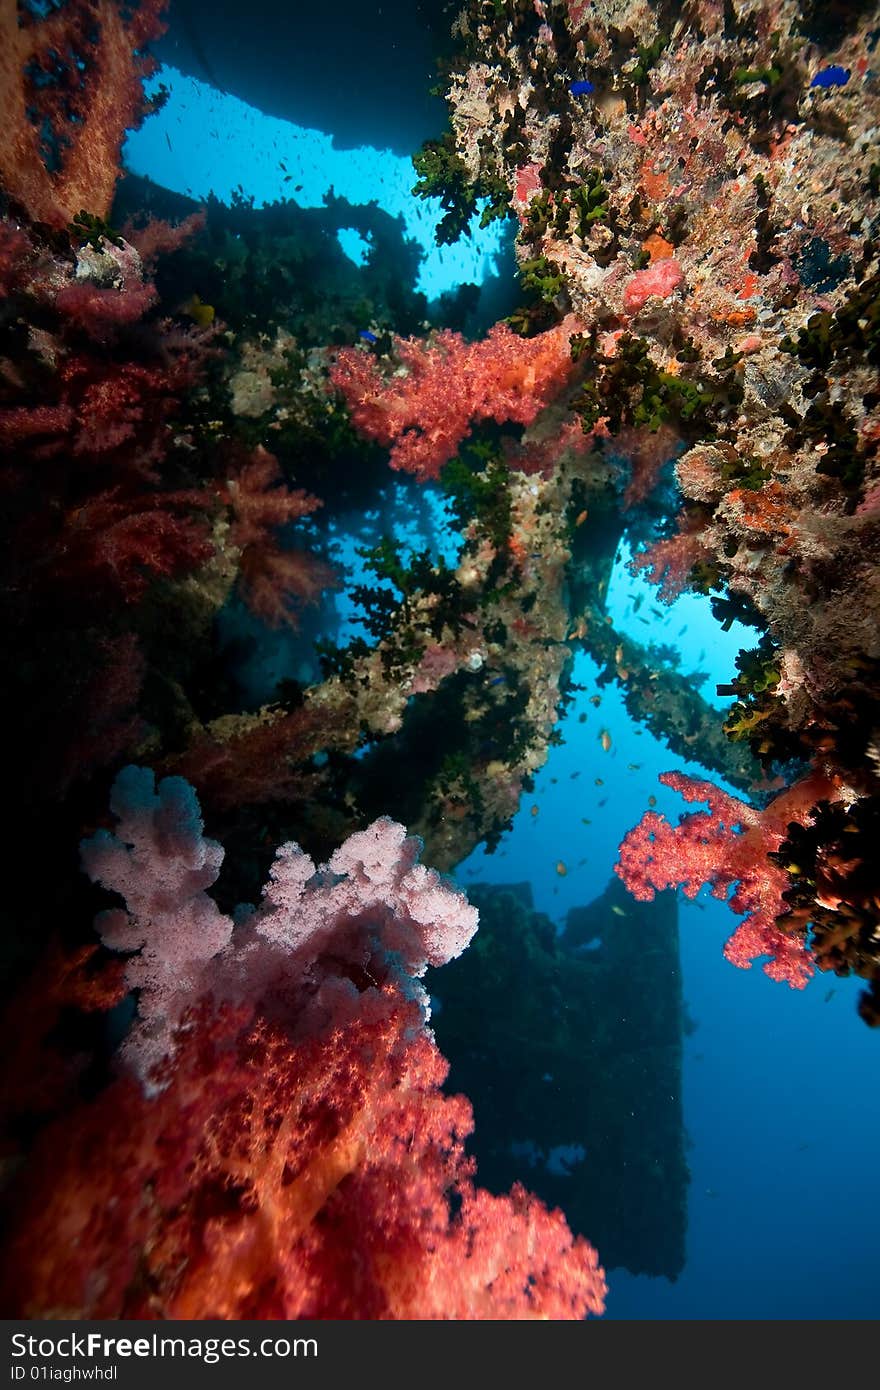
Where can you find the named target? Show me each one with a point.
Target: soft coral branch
(727, 847)
(275, 582)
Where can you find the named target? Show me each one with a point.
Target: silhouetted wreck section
(570, 1048)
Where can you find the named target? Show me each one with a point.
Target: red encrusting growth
(660, 279)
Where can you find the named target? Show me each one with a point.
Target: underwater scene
(441, 555)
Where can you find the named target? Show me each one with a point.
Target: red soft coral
(100, 310)
(124, 541)
(275, 583)
(425, 411)
(268, 1179)
(156, 238)
(725, 847)
(668, 562)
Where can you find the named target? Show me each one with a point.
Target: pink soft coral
(727, 847)
(426, 410)
(659, 279)
(373, 910)
(669, 561)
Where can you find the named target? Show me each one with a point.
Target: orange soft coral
(93, 96)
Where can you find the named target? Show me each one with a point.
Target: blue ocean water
(783, 1126)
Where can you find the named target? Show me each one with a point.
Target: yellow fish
(561, 869)
(605, 740)
(203, 314)
(534, 810)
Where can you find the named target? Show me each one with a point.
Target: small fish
(561, 869)
(534, 810)
(657, 613)
(581, 863)
(202, 314)
(640, 598)
(618, 911)
(828, 996)
(652, 800)
(582, 719)
(367, 336)
(499, 680)
(596, 700)
(682, 630)
(168, 139)
(633, 767)
(287, 178)
(599, 782)
(833, 76)
(605, 740)
(581, 88)
(553, 781)
(575, 774)
(581, 517)
(646, 621)
(603, 801)
(585, 820)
